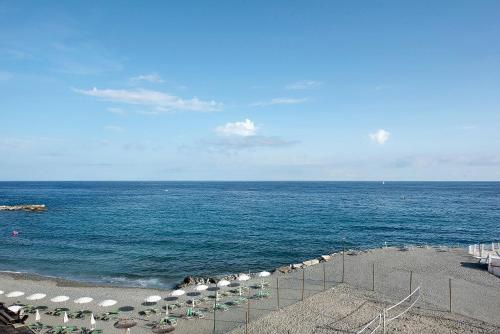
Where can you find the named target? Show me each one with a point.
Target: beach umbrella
(1, 292)
(59, 299)
(36, 296)
(223, 283)
(177, 293)
(65, 318)
(200, 288)
(15, 308)
(153, 299)
(107, 302)
(83, 300)
(92, 321)
(14, 294)
(262, 275)
(37, 316)
(242, 278)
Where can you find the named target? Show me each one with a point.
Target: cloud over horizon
(380, 136)
(245, 128)
(159, 101)
(152, 77)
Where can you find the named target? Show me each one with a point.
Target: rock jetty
(30, 207)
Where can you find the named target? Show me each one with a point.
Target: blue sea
(155, 233)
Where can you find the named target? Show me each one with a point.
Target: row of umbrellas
(58, 299)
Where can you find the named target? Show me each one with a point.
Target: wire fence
(235, 307)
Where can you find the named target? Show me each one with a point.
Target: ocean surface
(155, 233)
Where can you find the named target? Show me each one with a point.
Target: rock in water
(30, 207)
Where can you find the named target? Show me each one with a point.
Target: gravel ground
(328, 305)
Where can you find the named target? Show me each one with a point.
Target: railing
(382, 317)
(367, 326)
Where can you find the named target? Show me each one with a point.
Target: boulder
(284, 269)
(297, 266)
(324, 258)
(310, 262)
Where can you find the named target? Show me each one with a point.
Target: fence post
(246, 322)
(324, 276)
(215, 306)
(383, 320)
(278, 291)
(411, 276)
(373, 276)
(343, 256)
(248, 307)
(449, 285)
(303, 281)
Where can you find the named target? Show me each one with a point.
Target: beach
(320, 303)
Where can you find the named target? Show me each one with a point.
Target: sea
(152, 234)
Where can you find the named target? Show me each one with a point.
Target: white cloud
(380, 136)
(304, 84)
(153, 78)
(159, 101)
(279, 100)
(245, 128)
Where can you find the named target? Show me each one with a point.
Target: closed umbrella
(37, 316)
(65, 318)
(92, 321)
(14, 294)
(36, 296)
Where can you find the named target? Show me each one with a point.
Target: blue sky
(250, 90)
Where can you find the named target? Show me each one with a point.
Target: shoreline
(283, 269)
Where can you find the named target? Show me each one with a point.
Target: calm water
(155, 233)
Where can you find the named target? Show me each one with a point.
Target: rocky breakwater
(29, 207)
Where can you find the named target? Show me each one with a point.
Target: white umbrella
(83, 300)
(65, 318)
(36, 296)
(59, 299)
(242, 278)
(223, 283)
(153, 299)
(263, 274)
(1, 292)
(15, 308)
(37, 316)
(177, 293)
(200, 288)
(14, 294)
(107, 302)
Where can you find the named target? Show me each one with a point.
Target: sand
(328, 306)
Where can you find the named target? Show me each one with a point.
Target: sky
(250, 90)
